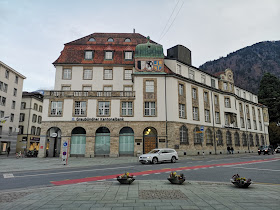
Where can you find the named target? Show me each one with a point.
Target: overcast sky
(33, 32)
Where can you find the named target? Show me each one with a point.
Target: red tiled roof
(218, 73)
(73, 52)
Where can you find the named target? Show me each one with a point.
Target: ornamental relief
(149, 65)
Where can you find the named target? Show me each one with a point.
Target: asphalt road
(260, 172)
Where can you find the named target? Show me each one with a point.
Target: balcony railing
(66, 94)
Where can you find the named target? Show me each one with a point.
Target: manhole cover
(161, 194)
(10, 197)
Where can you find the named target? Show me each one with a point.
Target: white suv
(159, 155)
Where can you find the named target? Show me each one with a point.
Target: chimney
(134, 30)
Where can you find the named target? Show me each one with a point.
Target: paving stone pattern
(161, 194)
(111, 195)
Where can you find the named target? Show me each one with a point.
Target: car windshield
(154, 151)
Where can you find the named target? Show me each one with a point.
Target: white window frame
(194, 93)
(205, 96)
(215, 99)
(108, 74)
(80, 108)
(178, 69)
(128, 74)
(227, 102)
(127, 108)
(87, 88)
(88, 55)
(66, 88)
(191, 74)
(108, 55)
(195, 113)
(207, 115)
(56, 108)
(104, 108)
(203, 79)
(87, 74)
(128, 55)
(150, 108)
(227, 119)
(182, 113)
(181, 89)
(67, 74)
(217, 118)
(150, 86)
(225, 86)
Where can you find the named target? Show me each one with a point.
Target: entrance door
(126, 146)
(150, 143)
(102, 144)
(78, 145)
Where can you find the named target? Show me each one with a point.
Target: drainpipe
(166, 140)
(213, 123)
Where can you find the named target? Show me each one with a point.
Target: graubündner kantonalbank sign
(94, 119)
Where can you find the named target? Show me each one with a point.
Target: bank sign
(95, 119)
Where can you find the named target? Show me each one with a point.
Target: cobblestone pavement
(111, 195)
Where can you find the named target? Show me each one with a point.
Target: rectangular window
(244, 95)
(242, 122)
(128, 55)
(7, 74)
(194, 95)
(80, 108)
(149, 86)
(66, 87)
(1, 85)
(104, 108)
(205, 94)
(13, 104)
(107, 88)
(38, 131)
(255, 125)
(203, 79)
(195, 113)
(108, 74)
(40, 108)
(88, 55)
(128, 74)
(260, 123)
(182, 111)
(34, 118)
(227, 102)
(87, 74)
(15, 92)
(181, 89)
(12, 118)
(21, 117)
(39, 119)
(67, 74)
(16, 79)
(33, 130)
(217, 117)
(249, 123)
(251, 97)
(216, 100)
(150, 108)
(5, 87)
(237, 92)
(227, 119)
(1, 114)
(191, 74)
(178, 69)
(230, 87)
(213, 84)
(3, 102)
(207, 115)
(56, 108)
(10, 130)
(127, 109)
(87, 88)
(240, 107)
(108, 55)
(127, 88)
(225, 86)
(20, 129)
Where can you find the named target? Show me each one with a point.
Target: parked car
(266, 149)
(277, 150)
(159, 155)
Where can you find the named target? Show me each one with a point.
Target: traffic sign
(65, 144)
(202, 128)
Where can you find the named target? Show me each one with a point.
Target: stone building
(30, 120)
(117, 94)
(11, 83)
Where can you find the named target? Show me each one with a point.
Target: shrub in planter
(240, 181)
(125, 178)
(176, 179)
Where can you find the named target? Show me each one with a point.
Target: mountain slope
(249, 64)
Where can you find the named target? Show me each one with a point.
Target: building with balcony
(117, 94)
(11, 83)
(30, 120)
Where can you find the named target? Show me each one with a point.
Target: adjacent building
(11, 83)
(117, 94)
(30, 120)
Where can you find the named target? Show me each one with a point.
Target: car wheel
(259, 153)
(154, 161)
(143, 163)
(173, 159)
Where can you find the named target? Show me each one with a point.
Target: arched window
(127, 40)
(228, 138)
(219, 137)
(251, 140)
(262, 139)
(257, 140)
(236, 139)
(184, 135)
(197, 139)
(110, 40)
(91, 39)
(244, 139)
(209, 136)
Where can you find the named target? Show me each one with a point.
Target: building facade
(11, 83)
(30, 120)
(117, 94)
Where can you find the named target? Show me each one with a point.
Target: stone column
(90, 147)
(42, 148)
(114, 146)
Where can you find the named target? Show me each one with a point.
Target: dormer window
(127, 40)
(91, 39)
(108, 55)
(88, 55)
(128, 55)
(110, 40)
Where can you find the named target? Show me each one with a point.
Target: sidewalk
(11, 164)
(144, 195)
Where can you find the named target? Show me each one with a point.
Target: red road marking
(91, 179)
